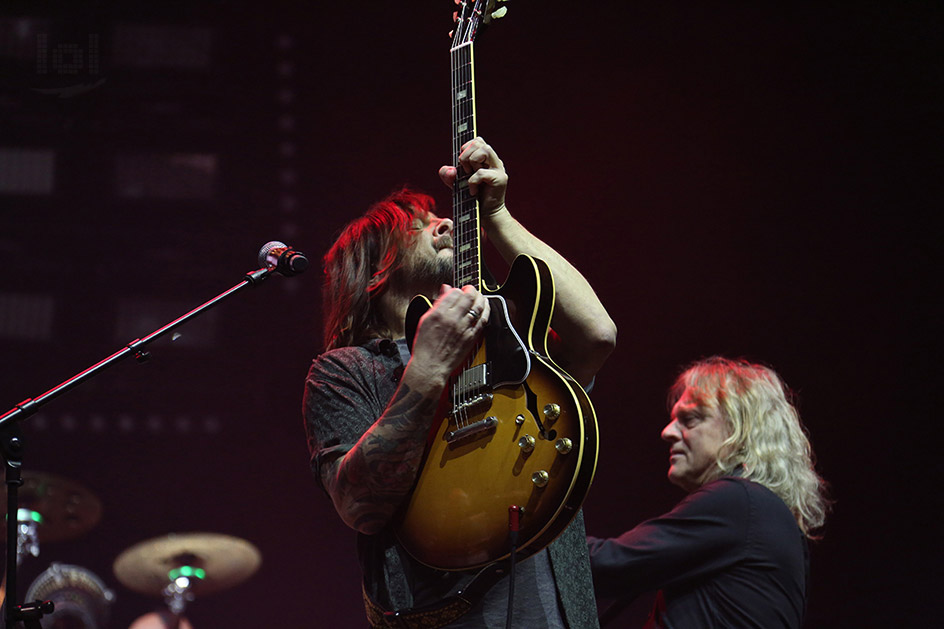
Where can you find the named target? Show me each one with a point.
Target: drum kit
(178, 567)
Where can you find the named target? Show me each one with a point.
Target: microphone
(279, 256)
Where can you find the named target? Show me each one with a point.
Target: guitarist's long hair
(361, 264)
(766, 437)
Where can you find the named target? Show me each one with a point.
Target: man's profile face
(695, 434)
(428, 259)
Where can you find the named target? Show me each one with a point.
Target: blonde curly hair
(766, 436)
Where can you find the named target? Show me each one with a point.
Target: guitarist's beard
(425, 275)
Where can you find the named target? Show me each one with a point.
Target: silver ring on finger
(475, 314)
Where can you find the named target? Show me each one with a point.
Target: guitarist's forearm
(588, 334)
(369, 483)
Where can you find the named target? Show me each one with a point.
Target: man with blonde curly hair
(733, 553)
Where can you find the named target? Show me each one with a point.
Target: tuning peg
(499, 13)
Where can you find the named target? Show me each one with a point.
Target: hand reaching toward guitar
(446, 333)
(488, 179)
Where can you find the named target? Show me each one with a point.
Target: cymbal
(225, 561)
(66, 508)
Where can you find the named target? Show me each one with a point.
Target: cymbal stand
(27, 541)
(179, 591)
(12, 444)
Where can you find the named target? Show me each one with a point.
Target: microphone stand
(12, 444)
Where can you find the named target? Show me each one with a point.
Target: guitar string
(467, 205)
(470, 235)
(458, 414)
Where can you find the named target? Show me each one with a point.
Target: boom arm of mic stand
(12, 441)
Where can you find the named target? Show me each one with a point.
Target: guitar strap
(447, 611)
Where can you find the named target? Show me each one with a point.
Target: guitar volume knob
(526, 443)
(551, 412)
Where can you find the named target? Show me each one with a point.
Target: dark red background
(754, 181)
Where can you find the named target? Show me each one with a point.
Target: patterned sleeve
(340, 404)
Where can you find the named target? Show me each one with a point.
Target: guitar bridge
(470, 405)
(472, 429)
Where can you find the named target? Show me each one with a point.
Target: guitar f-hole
(532, 405)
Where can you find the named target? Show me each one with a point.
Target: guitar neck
(465, 208)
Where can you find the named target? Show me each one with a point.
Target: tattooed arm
(370, 481)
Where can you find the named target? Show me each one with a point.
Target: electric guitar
(518, 431)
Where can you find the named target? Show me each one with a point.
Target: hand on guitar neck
(487, 177)
(587, 333)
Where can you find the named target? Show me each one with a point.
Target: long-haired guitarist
(370, 401)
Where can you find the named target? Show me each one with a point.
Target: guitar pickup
(472, 429)
(471, 381)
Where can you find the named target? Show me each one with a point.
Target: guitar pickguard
(506, 353)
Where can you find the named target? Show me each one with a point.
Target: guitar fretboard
(465, 208)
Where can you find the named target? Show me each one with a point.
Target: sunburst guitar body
(517, 431)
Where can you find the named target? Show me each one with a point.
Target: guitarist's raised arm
(587, 333)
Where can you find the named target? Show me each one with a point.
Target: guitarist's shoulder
(356, 359)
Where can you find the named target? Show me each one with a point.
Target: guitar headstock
(472, 15)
